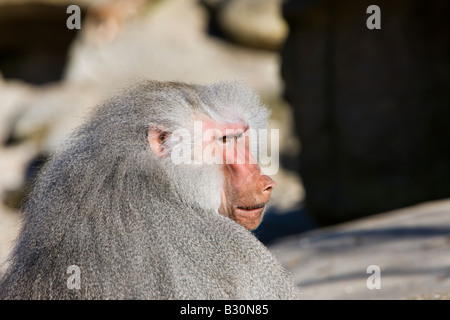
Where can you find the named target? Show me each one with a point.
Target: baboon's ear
(157, 135)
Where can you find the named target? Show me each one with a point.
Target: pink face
(246, 191)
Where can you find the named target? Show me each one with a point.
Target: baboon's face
(245, 190)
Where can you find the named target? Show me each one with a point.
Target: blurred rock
(53, 113)
(289, 190)
(15, 99)
(169, 42)
(106, 19)
(254, 23)
(13, 165)
(371, 107)
(410, 246)
(9, 228)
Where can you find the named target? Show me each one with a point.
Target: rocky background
(362, 117)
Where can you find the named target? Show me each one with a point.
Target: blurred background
(363, 114)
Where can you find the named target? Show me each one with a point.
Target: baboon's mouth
(258, 206)
(249, 216)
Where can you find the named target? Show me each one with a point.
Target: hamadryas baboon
(136, 221)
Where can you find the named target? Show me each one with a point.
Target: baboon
(113, 216)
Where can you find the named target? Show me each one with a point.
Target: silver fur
(138, 226)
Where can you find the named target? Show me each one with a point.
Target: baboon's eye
(163, 136)
(230, 138)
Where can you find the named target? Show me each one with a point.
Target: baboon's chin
(249, 217)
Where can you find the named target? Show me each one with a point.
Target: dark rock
(371, 106)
